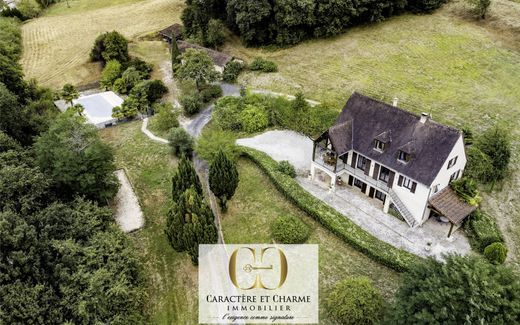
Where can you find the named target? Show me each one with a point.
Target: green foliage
(261, 64)
(10, 39)
(480, 7)
(434, 292)
(184, 179)
(214, 140)
(191, 103)
(496, 144)
(190, 222)
(226, 113)
(112, 71)
(181, 142)
(110, 46)
(215, 34)
(331, 219)
(152, 90)
(69, 93)
(176, 54)
(286, 168)
(128, 80)
(290, 230)
(29, 8)
(223, 178)
(496, 253)
(210, 92)
(165, 117)
(8, 143)
(197, 66)
(131, 106)
(478, 165)
(142, 66)
(355, 301)
(424, 6)
(76, 109)
(482, 230)
(467, 189)
(232, 71)
(72, 154)
(253, 118)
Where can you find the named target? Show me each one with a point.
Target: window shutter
(367, 166)
(400, 180)
(353, 162)
(391, 179)
(376, 171)
(414, 186)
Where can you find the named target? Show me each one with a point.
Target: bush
(212, 140)
(331, 219)
(226, 113)
(253, 119)
(261, 64)
(215, 35)
(111, 72)
(286, 168)
(128, 80)
(29, 8)
(142, 66)
(8, 143)
(290, 230)
(424, 6)
(152, 90)
(355, 301)
(467, 189)
(181, 143)
(482, 230)
(191, 104)
(210, 92)
(110, 46)
(478, 166)
(166, 118)
(496, 253)
(232, 71)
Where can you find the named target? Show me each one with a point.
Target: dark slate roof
(219, 58)
(450, 205)
(430, 143)
(176, 29)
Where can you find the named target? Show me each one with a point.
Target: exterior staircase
(399, 205)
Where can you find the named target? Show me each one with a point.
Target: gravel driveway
(129, 215)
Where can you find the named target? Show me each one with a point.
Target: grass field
(257, 202)
(57, 45)
(172, 279)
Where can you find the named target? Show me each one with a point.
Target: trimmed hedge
(344, 228)
(482, 231)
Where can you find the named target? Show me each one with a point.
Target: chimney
(424, 117)
(396, 100)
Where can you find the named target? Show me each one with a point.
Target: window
(380, 195)
(384, 174)
(452, 162)
(379, 146)
(407, 183)
(455, 175)
(404, 156)
(361, 162)
(436, 188)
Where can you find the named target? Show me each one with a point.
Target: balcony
(360, 174)
(327, 158)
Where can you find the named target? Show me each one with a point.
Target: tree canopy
(198, 67)
(223, 178)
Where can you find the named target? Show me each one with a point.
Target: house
(219, 59)
(404, 160)
(175, 30)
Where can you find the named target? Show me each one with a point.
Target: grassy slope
(257, 202)
(172, 287)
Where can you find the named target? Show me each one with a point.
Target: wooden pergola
(447, 203)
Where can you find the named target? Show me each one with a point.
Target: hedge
(344, 228)
(482, 231)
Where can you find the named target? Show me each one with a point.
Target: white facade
(414, 198)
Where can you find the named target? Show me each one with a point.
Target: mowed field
(57, 45)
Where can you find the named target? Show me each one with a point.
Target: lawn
(172, 279)
(257, 202)
(57, 45)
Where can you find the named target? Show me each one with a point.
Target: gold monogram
(251, 267)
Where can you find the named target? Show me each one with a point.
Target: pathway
(129, 215)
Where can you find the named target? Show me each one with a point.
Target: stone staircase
(399, 205)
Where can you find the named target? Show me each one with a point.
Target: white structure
(97, 108)
(394, 156)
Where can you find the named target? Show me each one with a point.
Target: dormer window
(379, 145)
(403, 156)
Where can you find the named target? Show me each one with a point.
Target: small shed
(219, 59)
(175, 29)
(447, 203)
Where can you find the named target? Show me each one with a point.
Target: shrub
(29, 8)
(424, 6)
(226, 113)
(210, 92)
(467, 189)
(355, 301)
(215, 35)
(261, 64)
(128, 80)
(191, 104)
(482, 230)
(142, 66)
(213, 140)
(111, 72)
(8, 143)
(181, 143)
(496, 144)
(152, 90)
(110, 46)
(478, 166)
(286, 168)
(232, 71)
(253, 119)
(496, 253)
(331, 219)
(290, 230)
(166, 118)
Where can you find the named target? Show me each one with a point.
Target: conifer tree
(184, 178)
(190, 223)
(176, 54)
(223, 178)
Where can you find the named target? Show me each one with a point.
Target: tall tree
(198, 67)
(69, 93)
(496, 144)
(176, 54)
(461, 290)
(223, 178)
(185, 178)
(190, 223)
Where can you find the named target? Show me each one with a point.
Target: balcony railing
(360, 174)
(325, 157)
